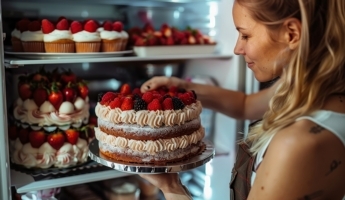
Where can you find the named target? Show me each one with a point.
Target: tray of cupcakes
(64, 38)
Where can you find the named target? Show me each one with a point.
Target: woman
(297, 151)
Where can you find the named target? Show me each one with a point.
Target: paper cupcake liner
(52, 47)
(111, 45)
(84, 47)
(124, 44)
(17, 45)
(34, 46)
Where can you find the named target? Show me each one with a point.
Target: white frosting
(100, 29)
(16, 33)
(29, 113)
(79, 103)
(46, 156)
(46, 107)
(150, 146)
(110, 35)
(66, 108)
(57, 35)
(85, 36)
(32, 36)
(124, 34)
(152, 118)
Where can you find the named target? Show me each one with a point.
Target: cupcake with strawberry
(21, 26)
(57, 39)
(32, 39)
(86, 37)
(111, 39)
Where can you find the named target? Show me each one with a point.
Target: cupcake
(21, 26)
(111, 39)
(57, 39)
(86, 37)
(32, 39)
(118, 27)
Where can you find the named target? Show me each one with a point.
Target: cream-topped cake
(50, 121)
(155, 127)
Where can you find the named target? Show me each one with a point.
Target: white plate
(145, 51)
(34, 55)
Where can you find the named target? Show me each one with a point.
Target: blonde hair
(316, 69)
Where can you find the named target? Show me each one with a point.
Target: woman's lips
(250, 65)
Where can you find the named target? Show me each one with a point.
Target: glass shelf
(14, 62)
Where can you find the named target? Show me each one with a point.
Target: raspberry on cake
(155, 127)
(50, 121)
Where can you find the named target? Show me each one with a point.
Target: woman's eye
(244, 37)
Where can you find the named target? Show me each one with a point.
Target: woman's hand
(160, 81)
(169, 184)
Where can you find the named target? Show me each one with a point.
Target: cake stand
(136, 168)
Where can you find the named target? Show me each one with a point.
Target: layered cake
(49, 126)
(155, 127)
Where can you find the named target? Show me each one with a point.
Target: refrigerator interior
(211, 17)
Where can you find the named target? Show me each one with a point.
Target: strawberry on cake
(155, 127)
(50, 121)
(32, 39)
(86, 37)
(57, 39)
(111, 37)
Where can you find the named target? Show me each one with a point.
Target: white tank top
(332, 121)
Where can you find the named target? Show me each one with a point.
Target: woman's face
(254, 43)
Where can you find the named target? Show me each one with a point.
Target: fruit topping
(91, 26)
(83, 90)
(116, 103)
(55, 97)
(47, 26)
(56, 140)
(108, 26)
(37, 138)
(40, 95)
(72, 135)
(125, 89)
(76, 27)
(168, 104)
(178, 104)
(62, 25)
(148, 97)
(22, 25)
(127, 104)
(154, 105)
(34, 26)
(69, 93)
(118, 26)
(140, 104)
(107, 98)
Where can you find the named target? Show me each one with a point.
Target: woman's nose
(238, 50)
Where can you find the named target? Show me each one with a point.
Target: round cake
(50, 121)
(156, 127)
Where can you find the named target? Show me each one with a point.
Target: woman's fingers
(154, 83)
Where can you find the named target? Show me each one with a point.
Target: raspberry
(158, 96)
(107, 97)
(154, 105)
(139, 104)
(116, 103)
(168, 104)
(178, 104)
(147, 97)
(173, 89)
(186, 98)
(127, 104)
(136, 91)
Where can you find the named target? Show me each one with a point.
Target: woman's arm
(170, 184)
(231, 103)
(303, 161)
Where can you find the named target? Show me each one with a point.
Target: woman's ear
(292, 35)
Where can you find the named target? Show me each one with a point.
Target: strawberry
(25, 91)
(118, 26)
(12, 132)
(108, 26)
(90, 26)
(40, 95)
(166, 30)
(37, 138)
(55, 97)
(116, 103)
(168, 104)
(76, 27)
(69, 93)
(83, 90)
(56, 140)
(154, 105)
(147, 97)
(68, 76)
(23, 136)
(34, 26)
(72, 135)
(61, 18)
(47, 26)
(136, 91)
(127, 104)
(140, 42)
(148, 28)
(62, 25)
(108, 97)
(170, 41)
(158, 96)
(22, 25)
(125, 89)
(38, 77)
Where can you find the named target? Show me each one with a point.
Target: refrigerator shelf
(26, 183)
(14, 62)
